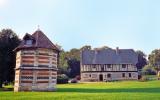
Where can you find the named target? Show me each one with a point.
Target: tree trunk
(0, 83)
(1, 78)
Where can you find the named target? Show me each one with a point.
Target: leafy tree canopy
(154, 59)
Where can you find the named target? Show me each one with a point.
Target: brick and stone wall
(36, 70)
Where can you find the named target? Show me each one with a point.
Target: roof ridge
(37, 39)
(37, 31)
(47, 38)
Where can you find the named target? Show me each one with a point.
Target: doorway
(101, 77)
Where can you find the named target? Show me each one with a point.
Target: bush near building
(62, 79)
(148, 70)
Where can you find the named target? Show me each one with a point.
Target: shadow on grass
(6, 89)
(128, 90)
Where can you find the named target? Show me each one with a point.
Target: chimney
(117, 50)
(95, 56)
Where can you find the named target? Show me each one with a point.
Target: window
(108, 66)
(26, 77)
(123, 66)
(42, 77)
(130, 75)
(108, 75)
(123, 74)
(28, 42)
(94, 66)
(102, 67)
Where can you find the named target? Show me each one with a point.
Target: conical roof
(39, 40)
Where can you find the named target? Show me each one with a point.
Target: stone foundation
(108, 76)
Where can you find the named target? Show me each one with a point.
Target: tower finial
(38, 27)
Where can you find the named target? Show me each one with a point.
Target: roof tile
(109, 56)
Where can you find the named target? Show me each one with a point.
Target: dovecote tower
(36, 63)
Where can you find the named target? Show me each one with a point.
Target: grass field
(126, 90)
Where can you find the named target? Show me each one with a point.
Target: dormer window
(28, 42)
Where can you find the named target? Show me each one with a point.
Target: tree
(154, 59)
(69, 61)
(8, 42)
(86, 47)
(142, 61)
(74, 54)
(66, 57)
(74, 68)
(62, 63)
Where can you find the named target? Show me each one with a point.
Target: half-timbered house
(108, 64)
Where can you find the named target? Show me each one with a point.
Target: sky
(74, 23)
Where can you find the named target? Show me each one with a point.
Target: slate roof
(109, 56)
(40, 40)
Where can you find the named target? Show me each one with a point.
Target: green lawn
(126, 90)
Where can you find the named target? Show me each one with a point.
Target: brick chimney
(117, 50)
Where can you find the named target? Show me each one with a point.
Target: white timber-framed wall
(108, 72)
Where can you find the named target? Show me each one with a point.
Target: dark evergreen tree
(73, 68)
(8, 42)
(142, 61)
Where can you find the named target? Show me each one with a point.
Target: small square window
(108, 75)
(28, 42)
(108, 66)
(94, 66)
(123, 74)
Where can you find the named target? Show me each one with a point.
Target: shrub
(148, 70)
(62, 79)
